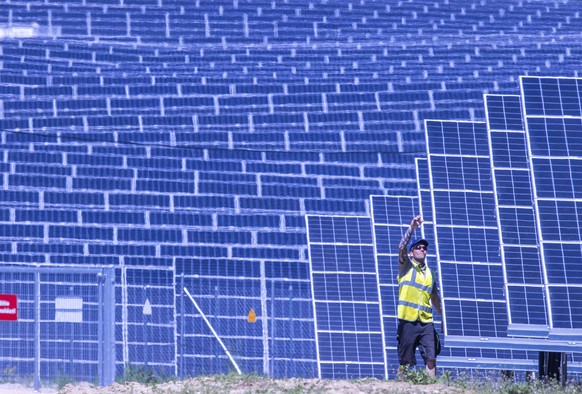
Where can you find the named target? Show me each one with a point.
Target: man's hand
(416, 222)
(403, 252)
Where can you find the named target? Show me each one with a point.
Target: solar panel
(465, 228)
(348, 329)
(473, 355)
(391, 216)
(425, 204)
(515, 214)
(553, 118)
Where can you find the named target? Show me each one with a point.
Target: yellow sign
(252, 317)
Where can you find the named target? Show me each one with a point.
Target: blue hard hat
(418, 241)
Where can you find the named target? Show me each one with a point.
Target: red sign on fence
(8, 307)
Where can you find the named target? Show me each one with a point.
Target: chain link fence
(63, 329)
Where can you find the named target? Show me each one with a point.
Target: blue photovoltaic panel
(472, 283)
(347, 309)
(425, 202)
(527, 312)
(425, 209)
(391, 216)
(553, 117)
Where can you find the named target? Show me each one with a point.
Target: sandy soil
(14, 388)
(254, 385)
(215, 385)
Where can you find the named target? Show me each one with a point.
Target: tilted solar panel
(390, 218)
(552, 110)
(425, 205)
(472, 355)
(465, 229)
(348, 329)
(515, 214)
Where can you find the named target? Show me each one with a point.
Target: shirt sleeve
(403, 268)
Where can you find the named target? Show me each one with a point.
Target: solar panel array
(502, 193)
(494, 230)
(183, 143)
(516, 217)
(390, 218)
(552, 112)
(465, 229)
(349, 330)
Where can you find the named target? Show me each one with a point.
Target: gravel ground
(256, 385)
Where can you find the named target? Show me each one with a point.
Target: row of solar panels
(326, 14)
(111, 52)
(524, 185)
(500, 203)
(115, 20)
(381, 61)
(26, 72)
(18, 84)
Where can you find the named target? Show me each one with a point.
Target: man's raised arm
(416, 222)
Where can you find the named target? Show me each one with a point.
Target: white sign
(69, 309)
(147, 308)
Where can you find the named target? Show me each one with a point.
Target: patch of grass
(140, 374)
(489, 385)
(62, 381)
(416, 376)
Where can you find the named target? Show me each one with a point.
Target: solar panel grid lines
(465, 229)
(552, 108)
(348, 328)
(425, 210)
(187, 69)
(401, 209)
(389, 217)
(524, 279)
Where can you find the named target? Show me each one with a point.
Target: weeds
(484, 385)
(62, 381)
(140, 374)
(415, 376)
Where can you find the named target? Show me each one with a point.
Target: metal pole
(181, 371)
(36, 330)
(264, 320)
(109, 357)
(217, 320)
(213, 331)
(100, 366)
(272, 347)
(145, 316)
(291, 353)
(564, 370)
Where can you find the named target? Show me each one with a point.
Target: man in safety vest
(417, 294)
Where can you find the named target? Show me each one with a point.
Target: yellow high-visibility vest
(415, 290)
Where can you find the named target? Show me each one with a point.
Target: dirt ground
(212, 385)
(15, 388)
(224, 385)
(243, 385)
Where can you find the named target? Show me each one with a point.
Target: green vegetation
(504, 386)
(410, 381)
(488, 384)
(140, 374)
(415, 376)
(62, 380)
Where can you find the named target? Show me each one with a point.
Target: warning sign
(8, 307)
(252, 316)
